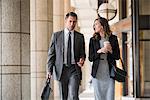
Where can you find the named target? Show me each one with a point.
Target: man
(66, 56)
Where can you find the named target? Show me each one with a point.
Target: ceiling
(86, 10)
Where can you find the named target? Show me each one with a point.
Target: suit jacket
(56, 53)
(94, 57)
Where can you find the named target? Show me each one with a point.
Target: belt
(101, 58)
(68, 65)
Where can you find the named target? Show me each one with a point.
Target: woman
(103, 51)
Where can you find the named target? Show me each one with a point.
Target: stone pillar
(14, 50)
(58, 24)
(67, 7)
(41, 29)
(58, 15)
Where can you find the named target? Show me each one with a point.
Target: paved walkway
(88, 94)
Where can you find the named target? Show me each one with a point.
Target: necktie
(69, 50)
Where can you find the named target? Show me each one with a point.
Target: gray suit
(56, 58)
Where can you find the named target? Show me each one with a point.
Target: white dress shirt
(66, 36)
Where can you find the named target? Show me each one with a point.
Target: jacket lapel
(97, 44)
(62, 41)
(75, 42)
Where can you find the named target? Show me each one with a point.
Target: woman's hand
(108, 47)
(105, 49)
(102, 50)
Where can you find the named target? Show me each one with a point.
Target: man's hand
(49, 75)
(81, 62)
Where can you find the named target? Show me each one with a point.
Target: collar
(66, 31)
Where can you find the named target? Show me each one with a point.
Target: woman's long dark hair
(106, 28)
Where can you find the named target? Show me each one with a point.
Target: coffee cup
(106, 43)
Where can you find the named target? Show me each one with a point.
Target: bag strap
(122, 63)
(48, 81)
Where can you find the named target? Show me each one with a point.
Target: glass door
(145, 62)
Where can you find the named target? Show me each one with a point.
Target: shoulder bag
(117, 73)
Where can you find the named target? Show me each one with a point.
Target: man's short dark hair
(71, 14)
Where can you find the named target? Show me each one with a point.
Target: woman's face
(98, 27)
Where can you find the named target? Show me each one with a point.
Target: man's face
(70, 23)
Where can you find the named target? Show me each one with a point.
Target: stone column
(58, 24)
(67, 7)
(58, 15)
(14, 50)
(41, 29)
